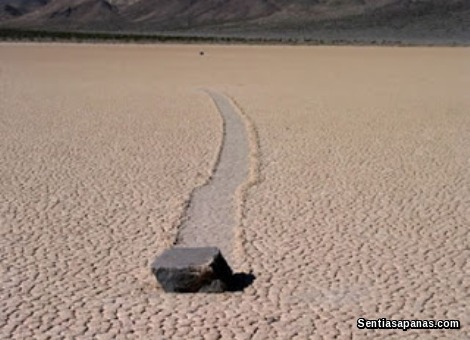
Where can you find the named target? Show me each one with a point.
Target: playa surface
(356, 203)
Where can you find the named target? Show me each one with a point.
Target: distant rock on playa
(191, 270)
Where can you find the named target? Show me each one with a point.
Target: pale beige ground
(360, 203)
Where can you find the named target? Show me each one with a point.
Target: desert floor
(356, 202)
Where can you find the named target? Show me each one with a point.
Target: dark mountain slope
(445, 20)
(15, 8)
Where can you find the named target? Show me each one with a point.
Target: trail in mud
(210, 219)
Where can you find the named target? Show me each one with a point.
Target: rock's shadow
(240, 281)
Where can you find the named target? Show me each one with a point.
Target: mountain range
(433, 20)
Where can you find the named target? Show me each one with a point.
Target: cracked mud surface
(358, 202)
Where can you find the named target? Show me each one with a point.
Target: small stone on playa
(191, 270)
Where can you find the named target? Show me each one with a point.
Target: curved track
(210, 218)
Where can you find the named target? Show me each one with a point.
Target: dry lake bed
(338, 176)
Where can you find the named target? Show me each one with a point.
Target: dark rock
(190, 270)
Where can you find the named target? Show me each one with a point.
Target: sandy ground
(356, 205)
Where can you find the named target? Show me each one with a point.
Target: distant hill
(363, 20)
